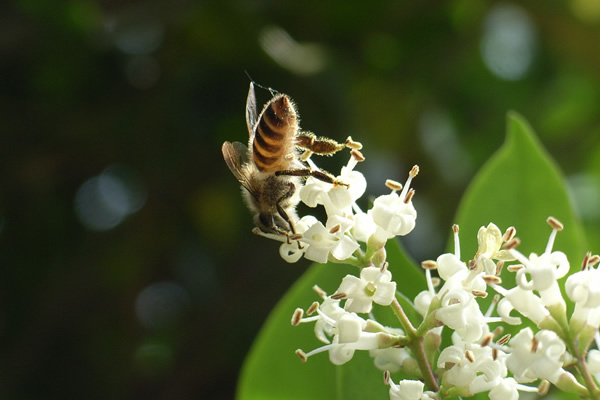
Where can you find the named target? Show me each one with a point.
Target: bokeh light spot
(103, 201)
(305, 58)
(508, 43)
(162, 305)
(585, 188)
(135, 31)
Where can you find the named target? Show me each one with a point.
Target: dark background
(127, 265)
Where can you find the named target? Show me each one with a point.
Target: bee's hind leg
(323, 146)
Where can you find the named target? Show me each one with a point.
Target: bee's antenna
(271, 90)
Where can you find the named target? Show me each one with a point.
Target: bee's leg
(323, 146)
(317, 173)
(284, 215)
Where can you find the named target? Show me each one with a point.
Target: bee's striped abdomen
(274, 136)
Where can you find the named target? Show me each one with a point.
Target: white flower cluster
(474, 362)
(339, 239)
(479, 359)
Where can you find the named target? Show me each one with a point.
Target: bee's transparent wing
(235, 155)
(251, 115)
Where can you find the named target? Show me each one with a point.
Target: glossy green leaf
(521, 186)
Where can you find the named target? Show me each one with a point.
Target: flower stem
(415, 344)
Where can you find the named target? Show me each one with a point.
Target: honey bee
(272, 168)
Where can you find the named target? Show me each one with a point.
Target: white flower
(407, 390)
(593, 362)
(391, 359)
(460, 312)
(490, 240)
(583, 288)
(337, 199)
(373, 285)
(331, 240)
(394, 214)
(524, 301)
(536, 357)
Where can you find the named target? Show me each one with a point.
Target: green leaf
(520, 186)
(273, 371)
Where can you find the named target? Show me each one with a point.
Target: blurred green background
(128, 269)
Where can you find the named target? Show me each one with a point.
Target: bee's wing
(251, 115)
(235, 155)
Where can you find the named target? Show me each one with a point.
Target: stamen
(586, 261)
(358, 156)
(306, 155)
(414, 171)
(409, 196)
(555, 224)
(302, 355)
(352, 144)
(499, 329)
(499, 266)
(534, 345)
(479, 293)
(503, 340)
(509, 234)
(472, 265)
(297, 316)
(386, 377)
(384, 267)
(338, 296)
(320, 292)
(515, 267)
(492, 279)
(494, 353)
(335, 229)
(469, 356)
(512, 243)
(435, 281)
(313, 308)
(429, 264)
(487, 339)
(456, 241)
(595, 259)
(296, 236)
(392, 184)
(543, 388)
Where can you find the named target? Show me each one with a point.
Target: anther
(555, 224)
(472, 264)
(386, 377)
(492, 279)
(435, 281)
(494, 354)
(534, 345)
(455, 228)
(335, 229)
(586, 261)
(392, 184)
(358, 156)
(320, 292)
(409, 196)
(543, 388)
(499, 266)
(302, 355)
(509, 234)
(469, 356)
(313, 308)
(595, 259)
(429, 264)
(515, 267)
(414, 171)
(512, 243)
(297, 316)
(338, 296)
(352, 144)
(498, 331)
(487, 339)
(503, 340)
(479, 293)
